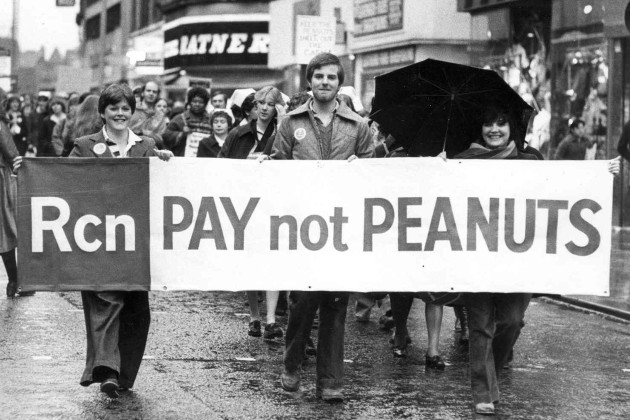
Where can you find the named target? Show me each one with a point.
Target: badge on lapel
(100, 148)
(299, 133)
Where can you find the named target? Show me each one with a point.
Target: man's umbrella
(434, 106)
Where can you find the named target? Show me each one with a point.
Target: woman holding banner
(10, 161)
(116, 322)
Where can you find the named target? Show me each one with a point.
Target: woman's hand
(351, 158)
(17, 162)
(614, 165)
(262, 158)
(164, 155)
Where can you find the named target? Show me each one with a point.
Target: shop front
(229, 51)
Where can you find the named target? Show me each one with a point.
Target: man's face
(42, 102)
(325, 83)
(579, 130)
(150, 93)
(218, 102)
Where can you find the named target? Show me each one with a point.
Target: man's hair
(220, 93)
(298, 99)
(325, 59)
(576, 123)
(198, 91)
(115, 93)
(156, 84)
(221, 114)
(275, 94)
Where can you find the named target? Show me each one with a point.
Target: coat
(297, 138)
(174, 138)
(8, 191)
(84, 147)
(243, 138)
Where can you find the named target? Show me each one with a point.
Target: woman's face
(117, 116)
(197, 105)
(161, 106)
(57, 108)
(220, 126)
(15, 105)
(497, 133)
(266, 109)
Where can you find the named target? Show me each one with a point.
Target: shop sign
(216, 43)
(398, 56)
(373, 16)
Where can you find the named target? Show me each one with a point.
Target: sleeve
(561, 151)
(76, 150)
(624, 142)
(365, 146)
(172, 134)
(227, 145)
(204, 150)
(57, 140)
(282, 148)
(8, 151)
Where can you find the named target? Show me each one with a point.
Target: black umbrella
(434, 106)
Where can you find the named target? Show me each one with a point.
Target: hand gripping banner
(406, 224)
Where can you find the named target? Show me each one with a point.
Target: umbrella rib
(434, 85)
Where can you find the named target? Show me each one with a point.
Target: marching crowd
(318, 124)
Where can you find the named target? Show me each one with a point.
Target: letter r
(39, 225)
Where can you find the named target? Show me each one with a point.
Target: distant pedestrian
(221, 125)
(57, 113)
(17, 124)
(321, 129)
(575, 144)
(186, 130)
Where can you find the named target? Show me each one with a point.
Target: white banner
(405, 224)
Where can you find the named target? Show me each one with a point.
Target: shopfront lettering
(229, 43)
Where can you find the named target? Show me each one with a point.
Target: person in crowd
(574, 145)
(35, 120)
(249, 142)
(17, 124)
(298, 99)
(219, 100)
(86, 121)
(237, 102)
(27, 105)
(327, 130)
(147, 120)
(248, 108)
(161, 106)
(57, 114)
(64, 125)
(495, 319)
(137, 93)
(10, 161)
(186, 130)
(177, 108)
(117, 322)
(221, 125)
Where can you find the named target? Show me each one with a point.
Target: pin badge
(299, 133)
(100, 148)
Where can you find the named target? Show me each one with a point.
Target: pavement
(200, 363)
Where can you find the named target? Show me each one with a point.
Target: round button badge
(299, 133)
(100, 148)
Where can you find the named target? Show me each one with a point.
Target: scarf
(477, 151)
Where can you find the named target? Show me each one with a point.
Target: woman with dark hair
(221, 125)
(17, 124)
(249, 142)
(116, 322)
(494, 319)
(10, 161)
(56, 114)
(86, 121)
(186, 130)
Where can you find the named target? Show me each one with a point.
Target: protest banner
(407, 224)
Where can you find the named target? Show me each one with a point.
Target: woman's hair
(200, 92)
(11, 99)
(494, 113)
(223, 114)
(87, 119)
(298, 99)
(57, 101)
(271, 91)
(248, 103)
(115, 93)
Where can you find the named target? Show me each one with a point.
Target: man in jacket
(321, 129)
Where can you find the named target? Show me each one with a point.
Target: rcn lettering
(57, 227)
(487, 224)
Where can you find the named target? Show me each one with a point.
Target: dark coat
(242, 139)
(84, 147)
(209, 147)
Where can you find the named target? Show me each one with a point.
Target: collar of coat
(99, 137)
(342, 110)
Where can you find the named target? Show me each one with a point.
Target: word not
(337, 220)
(57, 227)
(487, 224)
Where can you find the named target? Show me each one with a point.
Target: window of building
(113, 18)
(93, 27)
(145, 14)
(91, 2)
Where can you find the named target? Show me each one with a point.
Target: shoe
(434, 362)
(290, 381)
(400, 351)
(310, 349)
(362, 318)
(110, 387)
(329, 395)
(392, 339)
(26, 294)
(254, 329)
(273, 331)
(386, 321)
(486, 409)
(11, 289)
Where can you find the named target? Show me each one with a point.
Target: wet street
(201, 364)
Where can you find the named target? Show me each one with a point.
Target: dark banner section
(216, 43)
(78, 232)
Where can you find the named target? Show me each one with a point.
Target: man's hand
(614, 165)
(17, 162)
(263, 157)
(164, 155)
(351, 158)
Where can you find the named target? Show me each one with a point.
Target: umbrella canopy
(434, 106)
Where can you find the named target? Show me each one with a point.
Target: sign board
(313, 35)
(405, 224)
(374, 16)
(206, 42)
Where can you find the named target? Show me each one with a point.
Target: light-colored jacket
(296, 138)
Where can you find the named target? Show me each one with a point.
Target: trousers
(494, 322)
(330, 338)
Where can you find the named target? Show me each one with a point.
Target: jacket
(297, 139)
(209, 147)
(84, 147)
(174, 138)
(243, 138)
